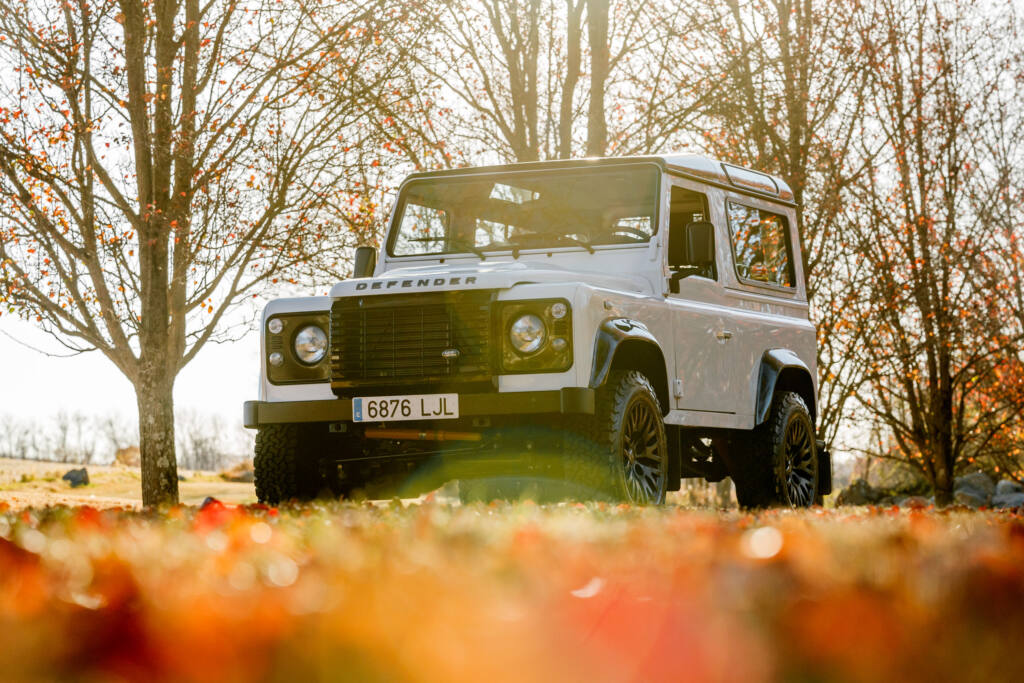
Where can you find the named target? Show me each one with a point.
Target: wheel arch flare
(625, 344)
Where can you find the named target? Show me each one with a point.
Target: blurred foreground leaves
(342, 591)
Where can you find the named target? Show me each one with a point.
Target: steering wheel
(627, 231)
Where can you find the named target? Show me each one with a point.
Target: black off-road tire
(285, 467)
(597, 461)
(779, 465)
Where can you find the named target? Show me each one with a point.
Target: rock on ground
(76, 478)
(975, 489)
(860, 492)
(1007, 486)
(970, 498)
(1008, 500)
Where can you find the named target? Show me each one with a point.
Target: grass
(25, 482)
(432, 591)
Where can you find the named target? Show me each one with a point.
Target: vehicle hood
(499, 275)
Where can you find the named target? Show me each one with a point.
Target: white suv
(612, 325)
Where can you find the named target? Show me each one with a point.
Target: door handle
(724, 335)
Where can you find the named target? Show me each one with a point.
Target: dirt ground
(37, 483)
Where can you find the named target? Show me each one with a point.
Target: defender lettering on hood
(418, 282)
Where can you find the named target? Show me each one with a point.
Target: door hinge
(677, 388)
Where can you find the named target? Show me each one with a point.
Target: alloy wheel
(643, 456)
(800, 467)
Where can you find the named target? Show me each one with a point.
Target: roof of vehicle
(695, 166)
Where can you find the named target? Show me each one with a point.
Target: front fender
(610, 335)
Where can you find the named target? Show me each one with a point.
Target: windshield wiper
(468, 246)
(575, 240)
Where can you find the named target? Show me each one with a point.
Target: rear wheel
(621, 453)
(286, 464)
(779, 466)
(796, 463)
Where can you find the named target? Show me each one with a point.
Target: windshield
(527, 210)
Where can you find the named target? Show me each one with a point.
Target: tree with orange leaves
(163, 160)
(935, 222)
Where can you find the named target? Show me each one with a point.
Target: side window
(760, 244)
(686, 207)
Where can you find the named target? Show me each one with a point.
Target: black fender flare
(610, 336)
(783, 369)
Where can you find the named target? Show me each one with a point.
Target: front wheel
(285, 465)
(622, 451)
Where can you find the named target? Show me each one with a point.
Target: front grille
(393, 340)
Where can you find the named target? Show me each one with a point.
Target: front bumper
(566, 400)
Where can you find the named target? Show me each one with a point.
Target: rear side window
(760, 243)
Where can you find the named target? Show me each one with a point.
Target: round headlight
(527, 334)
(275, 325)
(276, 359)
(310, 344)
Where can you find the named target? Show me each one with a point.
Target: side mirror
(700, 243)
(676, 245)
(365, 262)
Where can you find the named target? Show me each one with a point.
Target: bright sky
(34, 385)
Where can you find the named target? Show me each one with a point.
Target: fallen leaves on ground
(342, 591)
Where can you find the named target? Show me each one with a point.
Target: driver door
(700, 316)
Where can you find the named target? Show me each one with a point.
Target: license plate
(416, 407)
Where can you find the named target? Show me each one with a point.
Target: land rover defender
(603, 326)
